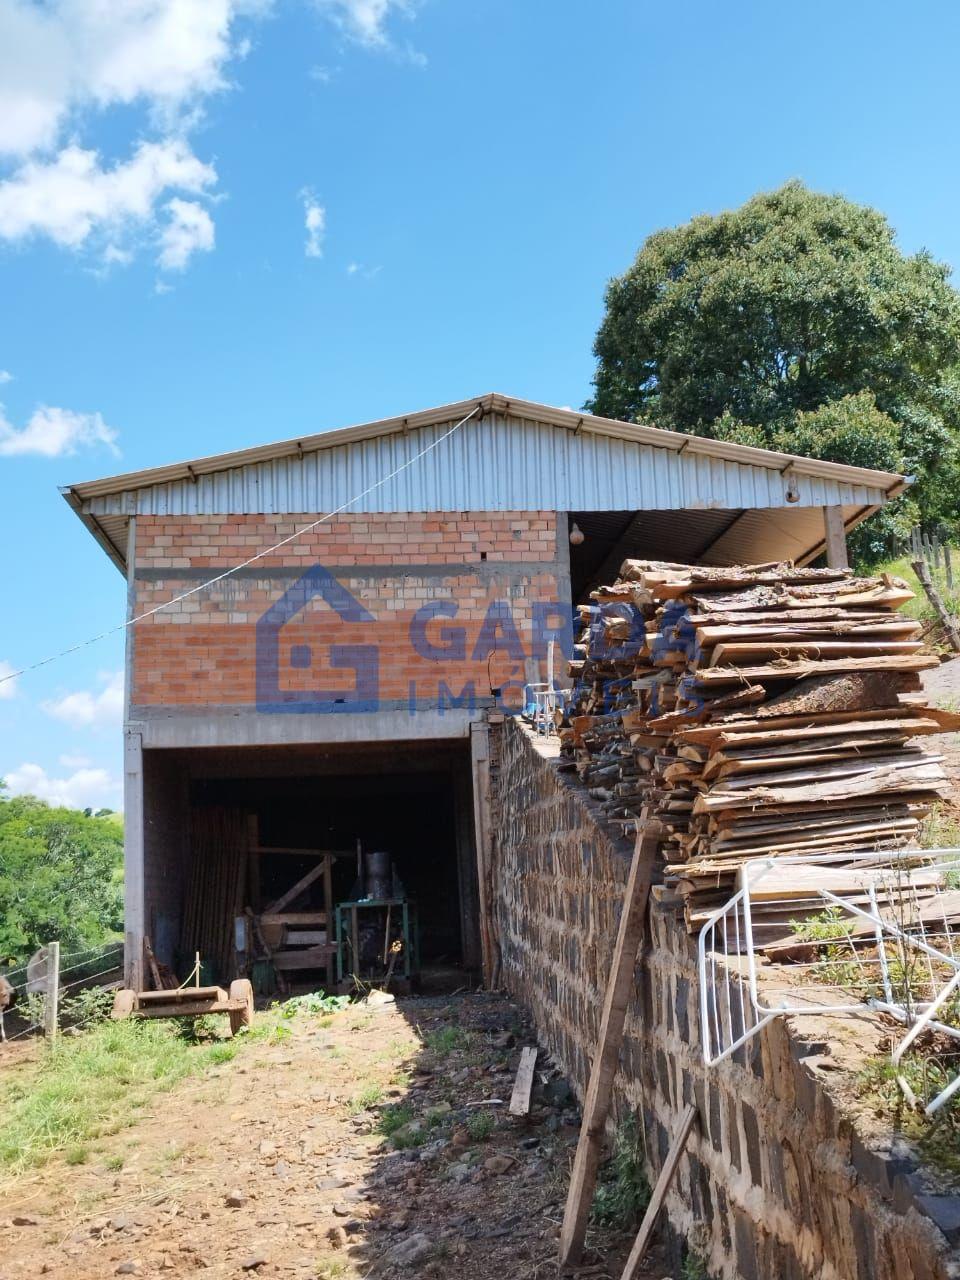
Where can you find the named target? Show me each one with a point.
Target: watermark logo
(444, 662)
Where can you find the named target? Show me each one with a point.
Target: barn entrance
(309, 867)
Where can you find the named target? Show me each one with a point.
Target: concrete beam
(480, 762)
(246, 727)
(133, 858)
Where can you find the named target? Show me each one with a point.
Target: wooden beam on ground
(596, 1106)
(667, 1174)
(523, 1085)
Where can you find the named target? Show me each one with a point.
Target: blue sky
(227, 221)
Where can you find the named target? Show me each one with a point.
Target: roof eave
(93, 524)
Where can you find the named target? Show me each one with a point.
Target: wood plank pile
(756, 711)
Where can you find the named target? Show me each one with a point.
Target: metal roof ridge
(491, 401)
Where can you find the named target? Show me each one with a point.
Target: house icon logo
(362, 659)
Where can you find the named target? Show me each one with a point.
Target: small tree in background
(795, 322)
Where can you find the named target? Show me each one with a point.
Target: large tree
(796, 322)
(61, 876)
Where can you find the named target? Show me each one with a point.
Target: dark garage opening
(413, 802)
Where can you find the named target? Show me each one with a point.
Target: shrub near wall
(776, 1185)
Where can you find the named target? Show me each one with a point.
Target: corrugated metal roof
(502, 407)
(516, 456)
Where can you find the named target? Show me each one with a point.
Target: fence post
(948, 566)
(933, 595)
(53, 992)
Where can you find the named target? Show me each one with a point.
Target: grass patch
(921, 606)
(393, 1118)
(94, 1084)
(368, 1097)
(331, 1269)
(938, 1137)
(940, 830)
(447, 1040)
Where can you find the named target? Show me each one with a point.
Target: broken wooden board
(523, 1085)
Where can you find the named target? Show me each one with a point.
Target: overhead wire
(210, 582)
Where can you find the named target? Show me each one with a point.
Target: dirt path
(276, 1163)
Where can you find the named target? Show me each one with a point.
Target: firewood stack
(757, 711)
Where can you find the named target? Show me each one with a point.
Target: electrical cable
(130, 622)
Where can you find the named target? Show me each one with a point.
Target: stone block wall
(776, 1184)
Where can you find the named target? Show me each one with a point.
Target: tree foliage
(795, 322)
(61, 876)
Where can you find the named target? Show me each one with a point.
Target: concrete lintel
(247, 727)
(485, 570)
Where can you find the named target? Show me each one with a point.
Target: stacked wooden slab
(757, 711)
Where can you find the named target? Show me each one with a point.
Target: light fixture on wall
(576, 535)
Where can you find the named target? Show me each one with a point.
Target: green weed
(447, 1040)
(941, 830)
(331, 1269)
(694, 1268)
(393, 1118)
(313, 1002)
(480, 1125)
(622, 1191)
(368, 1097)
(76, 1155)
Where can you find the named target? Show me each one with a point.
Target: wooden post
(948, 566)
(836, 538)
(933, 595)
(53, 992)
(596, 1106)
(659, 1194)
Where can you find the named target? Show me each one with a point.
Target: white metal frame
(732, 1007)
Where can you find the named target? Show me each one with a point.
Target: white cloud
(8, 687)
(315, 221)
(52, 433)
(84, 788)
(189, 230)
(66, 55)
(5, 377)
(85, 709)
(64, 60)
(73, 196)
(357, 269)
(365, 21)
(76, 762)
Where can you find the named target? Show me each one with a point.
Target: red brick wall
(207, 650)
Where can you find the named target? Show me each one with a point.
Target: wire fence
(31, 993)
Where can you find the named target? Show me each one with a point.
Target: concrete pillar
(134, 903)
(480, 769)
(836, 538)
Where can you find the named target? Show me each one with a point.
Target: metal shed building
(338, 687)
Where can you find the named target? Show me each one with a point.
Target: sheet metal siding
(497, 464)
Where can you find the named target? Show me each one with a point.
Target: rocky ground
(375, 1142)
